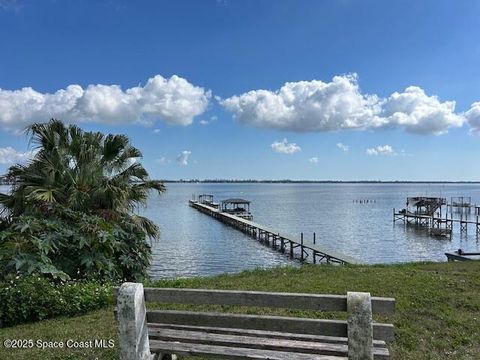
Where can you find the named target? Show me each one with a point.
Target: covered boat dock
(238, 207)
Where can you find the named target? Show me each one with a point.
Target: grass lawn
(437, 315)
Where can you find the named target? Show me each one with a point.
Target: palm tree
(82, 171)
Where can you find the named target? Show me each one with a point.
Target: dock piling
(301, 246)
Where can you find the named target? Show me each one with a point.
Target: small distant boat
(461, 255)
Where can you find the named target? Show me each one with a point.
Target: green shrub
(66, 244)
(33, 298)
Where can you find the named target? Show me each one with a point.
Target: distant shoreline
(224, 181)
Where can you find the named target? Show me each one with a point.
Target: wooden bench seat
(248, 342)
(240, 336)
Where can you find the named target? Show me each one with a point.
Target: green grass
(437, 315)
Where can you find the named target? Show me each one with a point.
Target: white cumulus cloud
(172, 100)
(313, 160)
(343, 147)
(419, 113)
(306, 106)
(182, 158)
(473, 117)
(284, 147)
(316, 106)
(381, 150)
(9, 155)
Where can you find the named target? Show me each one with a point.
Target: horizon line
(318, 181)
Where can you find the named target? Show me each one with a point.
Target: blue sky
(342, 90)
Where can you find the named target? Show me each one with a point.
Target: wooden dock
(437, 222)
(281, 242)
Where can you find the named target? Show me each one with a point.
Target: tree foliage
(71, 210)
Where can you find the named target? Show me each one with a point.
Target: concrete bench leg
(132, 323)
(360, 326)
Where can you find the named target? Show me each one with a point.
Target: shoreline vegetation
(437, 307)
(5, 181)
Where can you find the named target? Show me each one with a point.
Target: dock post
(291, 249)
(463, 224)
(282, 245)
(301, 246)
(394, 215)
(478, 227)
(314, 238)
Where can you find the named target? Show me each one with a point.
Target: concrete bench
(238, 336)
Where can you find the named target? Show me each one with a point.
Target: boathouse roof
(425, 201)
(235, 201)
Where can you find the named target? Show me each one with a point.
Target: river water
(193, 244)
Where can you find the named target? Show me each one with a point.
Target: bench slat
(261, 322)
(380, 305)
(277, 344)
(260, 333)
(158, 346)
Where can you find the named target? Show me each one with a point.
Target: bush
(66, 244)
(33, 298)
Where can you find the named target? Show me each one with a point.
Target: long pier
(281, 242)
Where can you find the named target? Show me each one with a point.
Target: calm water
(194, 244)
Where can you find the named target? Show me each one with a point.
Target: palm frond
(147, 225)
